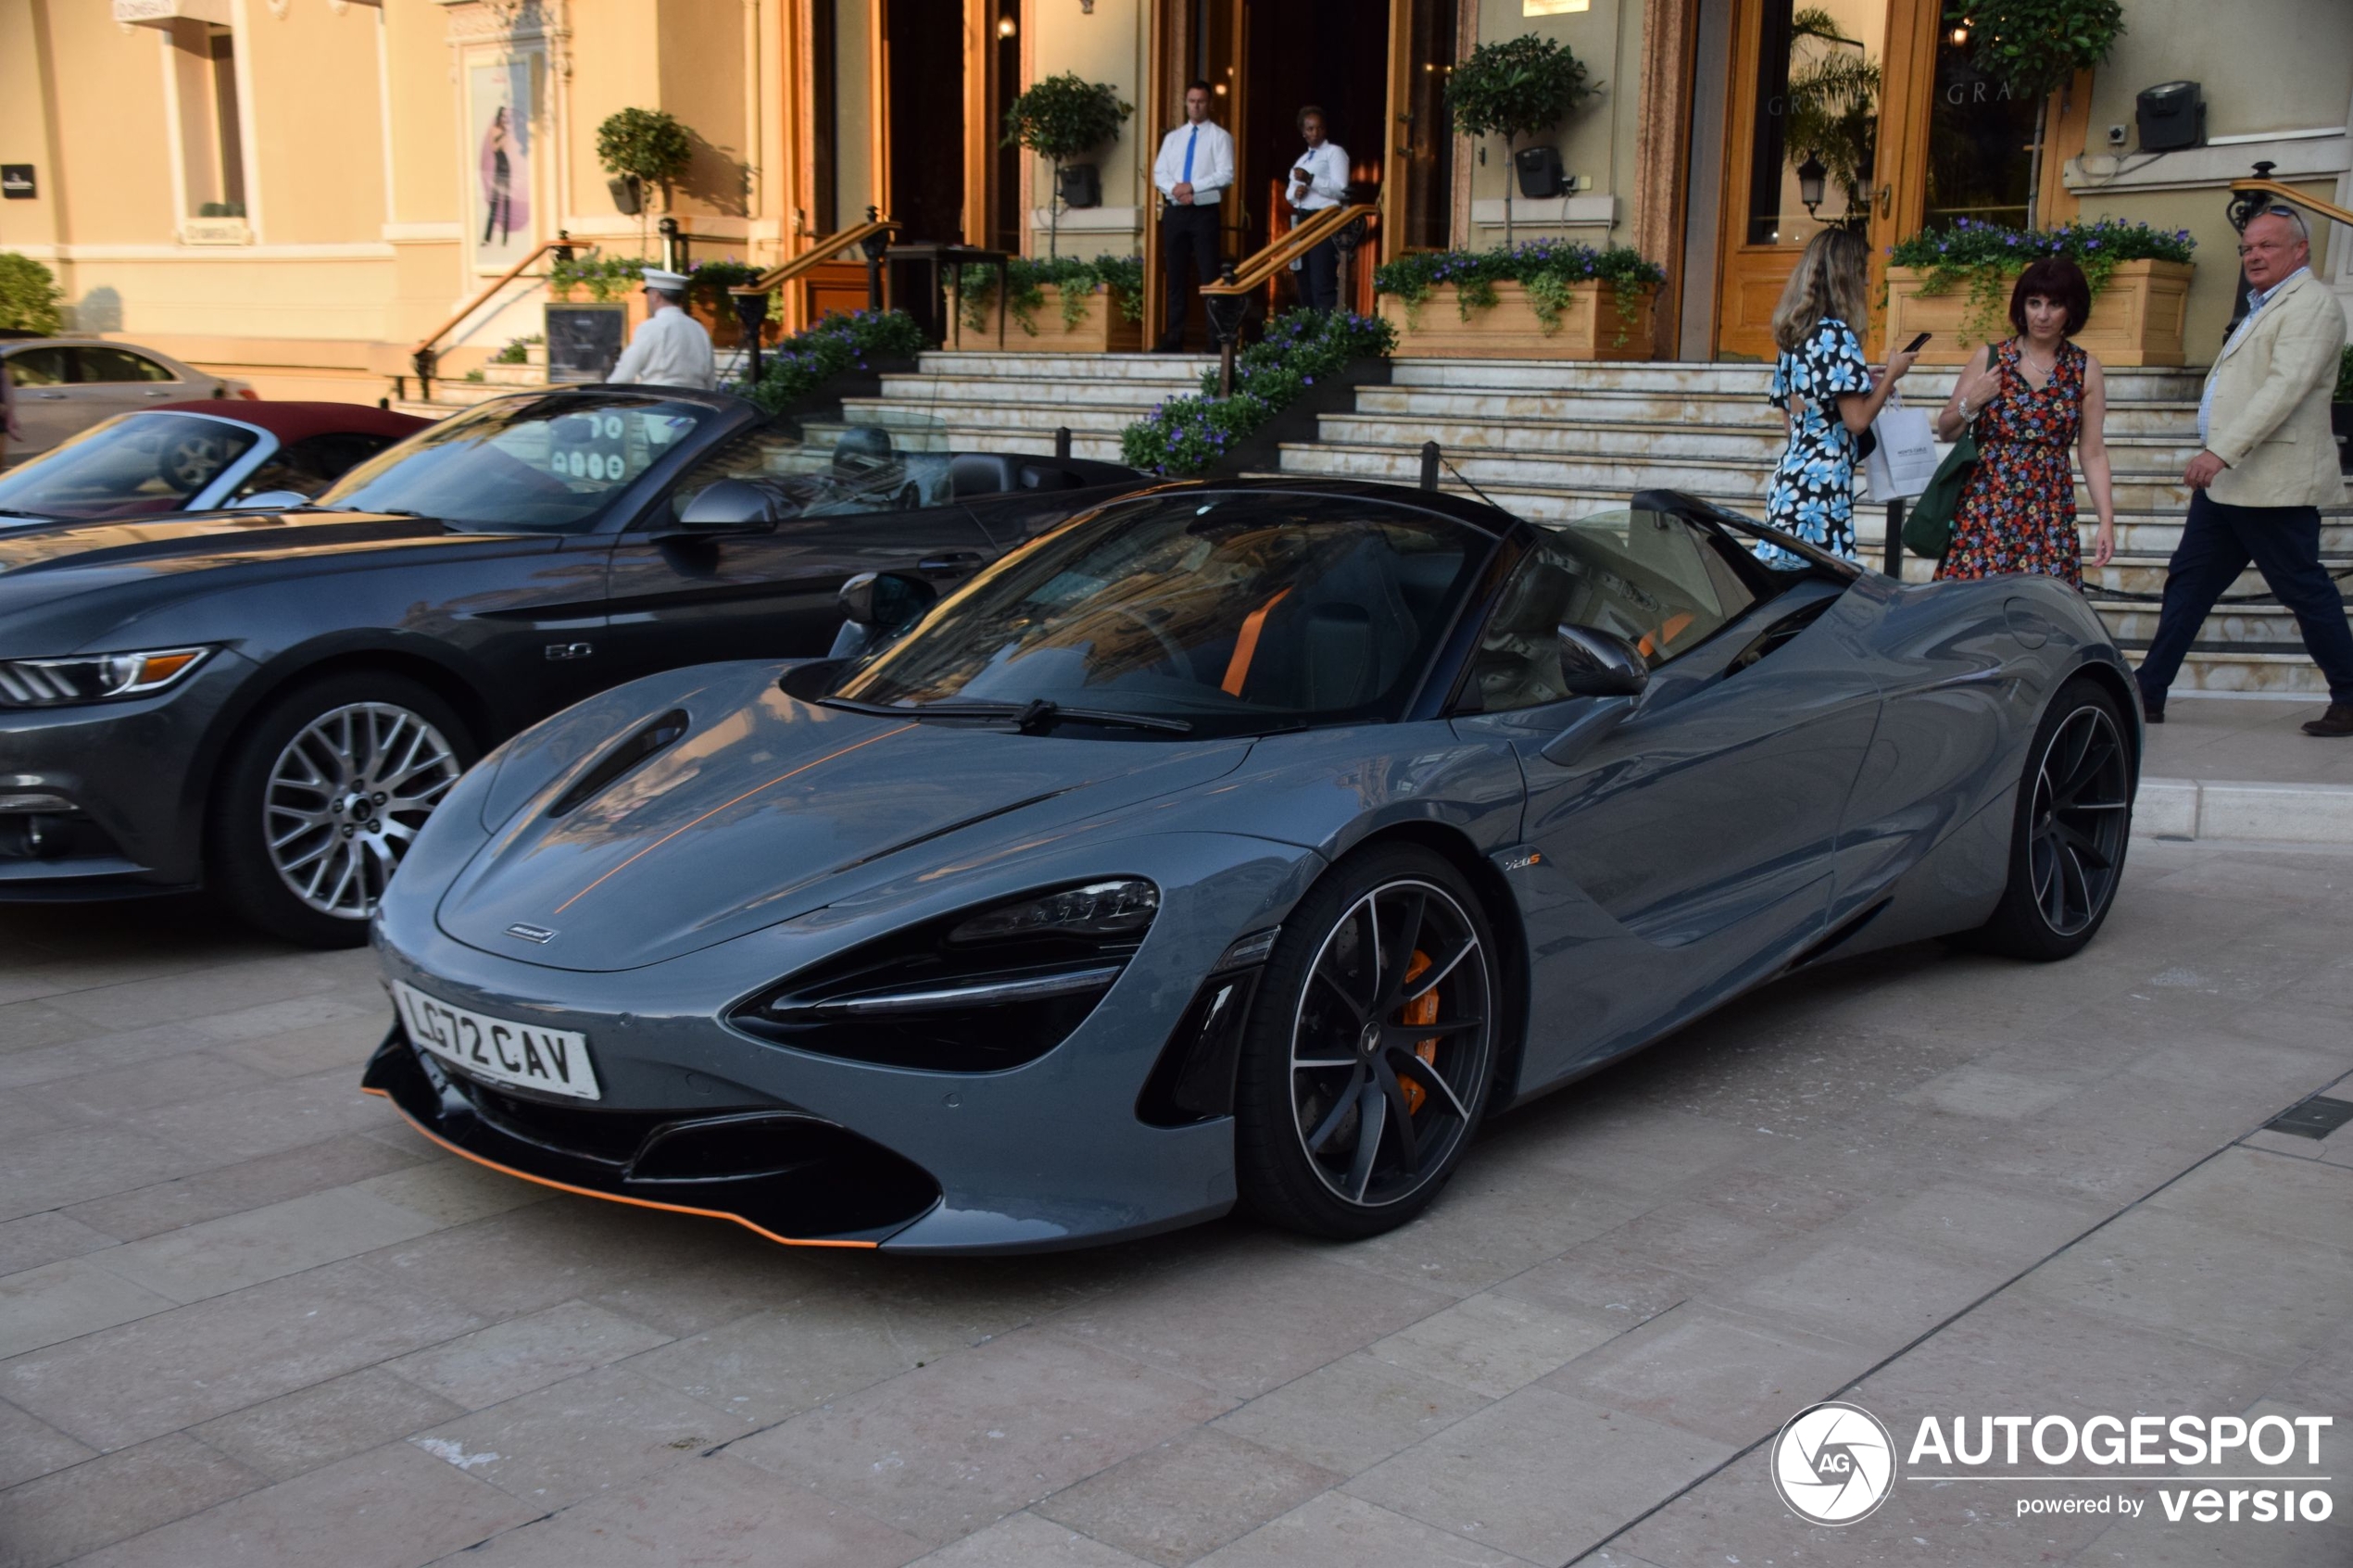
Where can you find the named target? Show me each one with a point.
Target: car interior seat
(1338, 637)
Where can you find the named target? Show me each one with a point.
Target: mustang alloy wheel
(1371, 1049)
(344, 799)
(2074, 822)
(321, 797)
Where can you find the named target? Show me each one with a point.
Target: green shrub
(1546, 268)
(645, 143)
(1989, 256)
(805, 361)
(1190, 434)
(601, 277)
(29, 295)
(518, 350)
(1078, 278)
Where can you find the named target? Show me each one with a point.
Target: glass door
(1418, 208)
(1801, 149)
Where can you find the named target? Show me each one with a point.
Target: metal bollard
(1061, 441)
(1429, 465)
(1895, 540)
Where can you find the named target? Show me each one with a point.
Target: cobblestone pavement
(247, 1318)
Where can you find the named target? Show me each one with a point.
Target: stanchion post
(1895, 539)
(1429, 465)
(1061, 441)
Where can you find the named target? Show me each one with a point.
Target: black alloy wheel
(321, 797)
(2074, 823)
(1371, 1047)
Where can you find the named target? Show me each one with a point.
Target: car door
(676, 599)
(1688, 835)
(41, 379)
(113, 381)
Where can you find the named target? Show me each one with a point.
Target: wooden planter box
(2136, 320)
(1591, 328)
(1101, 329)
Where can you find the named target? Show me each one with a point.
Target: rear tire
(321, 797)
(2074, 822)
(1343, 1126)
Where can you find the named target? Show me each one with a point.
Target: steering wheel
(1176, 655)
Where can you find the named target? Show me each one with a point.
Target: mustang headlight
(969, 993)
(97, 677)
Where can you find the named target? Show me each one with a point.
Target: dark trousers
(1187, 243)
(1319, 278)
(2218, 542)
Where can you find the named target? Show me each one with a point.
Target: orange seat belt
(1246, 645)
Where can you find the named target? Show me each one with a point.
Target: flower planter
(726, 329)
(2136, 320)
(1590, 327)
(1101, 328)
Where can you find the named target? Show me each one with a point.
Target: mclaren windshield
(550, 463)
(1200, 613)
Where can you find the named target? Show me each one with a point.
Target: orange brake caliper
(1421, 1010)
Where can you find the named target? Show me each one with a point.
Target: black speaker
(1539, 172)
(1082, 185)
(2171, 115)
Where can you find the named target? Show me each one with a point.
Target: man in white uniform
(1195, 165)
(1319, 180)
(670, 349)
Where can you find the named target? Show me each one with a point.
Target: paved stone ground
(2245, 738)
(248, 1319)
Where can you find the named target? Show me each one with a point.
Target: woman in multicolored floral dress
(2030, 400)
(1826, 396)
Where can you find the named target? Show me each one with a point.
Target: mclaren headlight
(974, 992)
(93, 677)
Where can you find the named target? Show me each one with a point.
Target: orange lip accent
(714, 812)
(607, 1197)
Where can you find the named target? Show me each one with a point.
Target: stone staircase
(963, 400)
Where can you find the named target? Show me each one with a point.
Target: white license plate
(500, 1049)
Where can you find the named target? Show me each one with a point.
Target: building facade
(299, 191)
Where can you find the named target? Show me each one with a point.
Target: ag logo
(1833, 1463)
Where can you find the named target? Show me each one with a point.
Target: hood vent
(662, 734)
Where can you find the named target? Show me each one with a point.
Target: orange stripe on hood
(716, 809)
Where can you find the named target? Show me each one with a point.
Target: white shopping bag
(1904, 460)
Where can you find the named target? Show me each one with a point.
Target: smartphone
(1914, 346)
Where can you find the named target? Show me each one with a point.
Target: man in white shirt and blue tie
(1195, 165)
(1319, 180)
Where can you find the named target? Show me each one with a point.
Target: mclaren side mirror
(1598, 663)
(730, 506)
(269, 500)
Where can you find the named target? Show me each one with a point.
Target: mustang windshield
(544, 463)
(1235, 613)
(141, 465)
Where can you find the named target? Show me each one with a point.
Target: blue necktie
(1187, 177)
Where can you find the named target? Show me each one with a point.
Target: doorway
(924, 44)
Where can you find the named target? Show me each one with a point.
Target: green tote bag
(1928, 527)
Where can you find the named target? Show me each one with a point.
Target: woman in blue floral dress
(2029, 400)
(1826, 394)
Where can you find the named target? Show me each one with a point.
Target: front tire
(321, 797)
(2074, 822)
(1371, 1047)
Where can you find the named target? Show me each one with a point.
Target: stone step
(1007, 416)
(1149, 367)
(512, 376)
(1714, 409)
(916, 390)
(2124, 386)
(2287, 672)
(932, 435)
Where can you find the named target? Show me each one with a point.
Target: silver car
(65, 385)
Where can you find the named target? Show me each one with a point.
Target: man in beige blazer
(2268, 467)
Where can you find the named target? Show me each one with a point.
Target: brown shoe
(2336, 724)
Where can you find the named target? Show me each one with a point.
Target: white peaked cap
(655, 278)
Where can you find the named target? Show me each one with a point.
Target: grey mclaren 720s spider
(1228, 843)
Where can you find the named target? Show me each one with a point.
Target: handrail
(424, 344)
(1252, 271)
(2289, 193)
(824, 250)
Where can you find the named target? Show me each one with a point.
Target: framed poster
(502, 101)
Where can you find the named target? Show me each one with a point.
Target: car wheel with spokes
(2073, 825)
(321, 797)
(1371, 1047)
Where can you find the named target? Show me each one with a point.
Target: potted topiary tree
(1514, 89)
(642, 147)
(1059, 118)
(2034, 47)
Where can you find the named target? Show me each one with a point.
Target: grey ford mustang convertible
(1237, 843)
